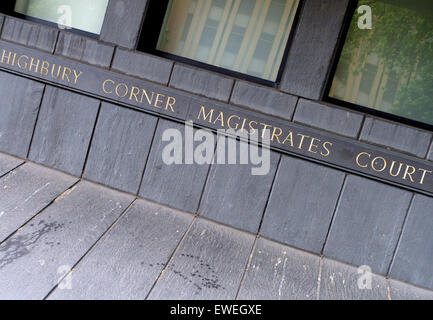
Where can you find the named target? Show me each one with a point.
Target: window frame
(154, 20)
(7, 8)
(353, 6)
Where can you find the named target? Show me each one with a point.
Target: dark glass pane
(390, 67)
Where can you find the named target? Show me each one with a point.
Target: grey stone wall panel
(332, 119)
(64, 129)
(142, 65)
(29, 34)
(177, 185)
(301, 204)
(367, 223)
(123, 21)
(263, 99)
(202, 82)
(84, 49)
(234, 196)
(20, 100)
(313, 47)
(414, 255)
(120, 146)
(396, 136)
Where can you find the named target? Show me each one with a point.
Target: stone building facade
(92, 112)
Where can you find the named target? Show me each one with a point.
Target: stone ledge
(202, 82)
(334, 119)
(142, 65)
(264, 99)
(84, 49)
(396, 136)
(30, 34)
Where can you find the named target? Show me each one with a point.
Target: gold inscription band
(278, 135)
(285, 136)
(38, 66)
(401, 170)
(139, 95)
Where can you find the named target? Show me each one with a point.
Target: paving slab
(278, 272)
(339, 281)
(25, 191)
(209, 264)
(367, 223)
(8, 163)
(40, 254)
(126, 263)
(403, 291)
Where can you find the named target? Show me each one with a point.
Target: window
(80, 15)
(245, 37)
(389, 68)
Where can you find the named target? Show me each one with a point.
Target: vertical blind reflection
(86, 15)
(390, 67)
(247, 36)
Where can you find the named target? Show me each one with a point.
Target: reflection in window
(390, 67)
(247, 36)
(78, 14)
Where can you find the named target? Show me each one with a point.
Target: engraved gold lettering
(58, 71)
(392, 168)
(327, 146)
(407, 173)
(289, 138)
(374, 166)
(44, 68)
(235, 127)
(117, 90)
(358, 159)
(252, 129)
(265, 127)
(158, 100)
(104, 86)
(170, 103)
(76, 76)
(25, 62)
(149, 100)
(8, 57)
(134, 92)
(34, 65)
(220, 118)
(66, 73)
(301, 142)
(204, 115)
(312, 145)
(424, 172)
(275, 135)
